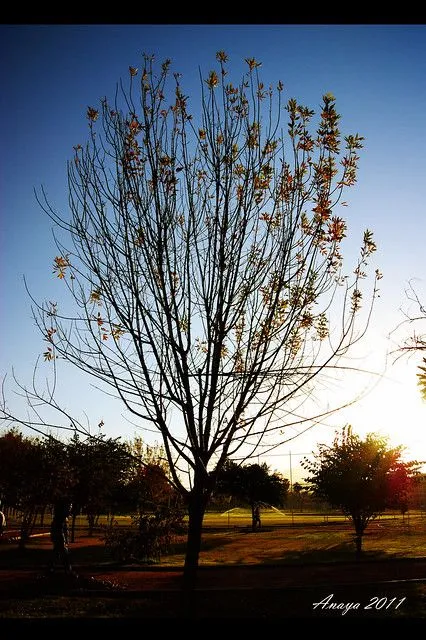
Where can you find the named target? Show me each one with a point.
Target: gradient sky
(51, 73)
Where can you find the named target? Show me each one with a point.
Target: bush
(150, 536)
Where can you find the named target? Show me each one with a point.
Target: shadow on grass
(37, 555)
(207, 543)
(342, 552)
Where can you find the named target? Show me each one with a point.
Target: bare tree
(414, 343)
(205, 264)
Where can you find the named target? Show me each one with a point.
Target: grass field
(228, 540)
(309, 538)
(299, 542)
(240, 517)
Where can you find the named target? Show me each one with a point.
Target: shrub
(149, 536)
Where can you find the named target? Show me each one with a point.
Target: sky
(51, 73)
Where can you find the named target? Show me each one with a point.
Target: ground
(249, 594)
(391, 590)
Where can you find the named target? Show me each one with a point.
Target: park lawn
(300, 544)
(309, 543)
(310, 540)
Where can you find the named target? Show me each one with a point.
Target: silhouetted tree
(416, 342)
(402, 481)
(204, 263)
(33, 474)
(298, 491)
(253, 484)
(360, 477)
(100, 465)
(149, 486)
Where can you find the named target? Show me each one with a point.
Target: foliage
(149, 485)
(97, 475)
(252, 484)
(100, 465)
(150, 536)
(360, 477)
(205, 261)
(416, 342)
(33, 474)
(298, 497)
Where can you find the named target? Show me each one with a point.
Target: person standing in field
(59, 535)
(256, 517)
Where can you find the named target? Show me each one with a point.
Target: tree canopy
(360, 477)
(202, 252)
(415, 342)
(97, 475)
(252, 484)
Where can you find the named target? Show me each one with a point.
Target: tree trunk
(359, 532)
(74, 516)
(33, 522)
(196, 510)
(358, 542)
(27, 518)
(91, 523)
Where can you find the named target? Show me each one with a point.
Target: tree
(148, 486)
(402, 482)
(33, 474)
(12, 451)
(203, 259)
(360, 477)
(100, 465)
(252, 484)
(415, 343)
(57, 474)
(298, 491)
(20, 478)
(159, 510)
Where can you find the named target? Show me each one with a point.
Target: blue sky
(51, 73)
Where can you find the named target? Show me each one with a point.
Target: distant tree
(20, 470)
(100, 465)
(149, 486)
(416, 342)
(58, 476)
(298, 491)
(402, 482)
(150, 493)
(360, 477)
(12, 452)
(203, 256)
(253, 484)
(33, 474)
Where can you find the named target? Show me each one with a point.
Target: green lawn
(308, 539)
(301, 538)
